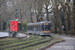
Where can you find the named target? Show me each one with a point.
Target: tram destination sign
(13, 26)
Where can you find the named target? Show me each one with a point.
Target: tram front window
(46, 28)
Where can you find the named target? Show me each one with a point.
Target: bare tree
(74, 11)
(2, 11)
(71, 18)
(56, 4)
(64, 6)
(55, 21)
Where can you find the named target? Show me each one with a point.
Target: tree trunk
(0, 22)
(47, 13)
(0, 25)
(74, 12)
(71, 21)
(55, 22)
(31, 16)
(41, 16)
(66, 22)
(59, 22)
(21, 21)
(74, 7)
(37, 17)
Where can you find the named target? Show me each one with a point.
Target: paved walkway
(6, 34)
(69, 44)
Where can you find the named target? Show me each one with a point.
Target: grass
(11, 40)
(28, 40)
(42, 45)
(20, 42)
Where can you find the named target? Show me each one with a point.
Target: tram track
(8, 42)
(33, 44)
(25, 44)
(12, 38)
(22, 44)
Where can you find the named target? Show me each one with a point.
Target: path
(6, 34)
(69, 44)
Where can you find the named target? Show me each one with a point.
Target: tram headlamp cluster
(46, 23)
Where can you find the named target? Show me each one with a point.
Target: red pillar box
(13, 26)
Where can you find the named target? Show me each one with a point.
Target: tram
(39, 28)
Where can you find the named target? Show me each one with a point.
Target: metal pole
(16, 18)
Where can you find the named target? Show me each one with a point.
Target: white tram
(39, 28)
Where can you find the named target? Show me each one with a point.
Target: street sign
(13, 26)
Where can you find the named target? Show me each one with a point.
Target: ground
(32, 43)
(69, 44)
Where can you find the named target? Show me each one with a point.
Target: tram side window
(32, 28)
(28, 27)
(40, 28)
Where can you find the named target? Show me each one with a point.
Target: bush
(25, 26)
(4, 25)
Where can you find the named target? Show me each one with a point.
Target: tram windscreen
(46, 27)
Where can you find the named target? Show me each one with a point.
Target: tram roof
(39, 23)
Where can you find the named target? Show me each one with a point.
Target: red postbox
(13, 26)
